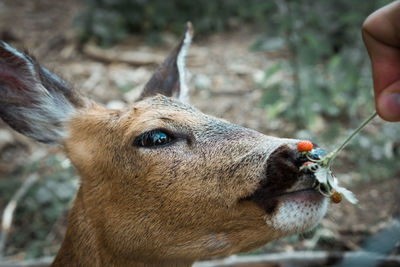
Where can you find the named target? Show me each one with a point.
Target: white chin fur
(295, 216)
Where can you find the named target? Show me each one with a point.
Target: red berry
(336, 197)
(304, 146)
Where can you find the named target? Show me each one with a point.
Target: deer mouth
(301, 192)
(305, 195)
(304, 191)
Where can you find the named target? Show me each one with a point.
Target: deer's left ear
(170, 78)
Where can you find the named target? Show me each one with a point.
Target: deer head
(161, 182)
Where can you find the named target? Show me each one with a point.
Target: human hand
(381, 35)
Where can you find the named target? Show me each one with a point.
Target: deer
(161, 183)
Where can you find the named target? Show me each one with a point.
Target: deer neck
(82, 245)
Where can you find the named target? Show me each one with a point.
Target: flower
(320, 164)
(326, 183)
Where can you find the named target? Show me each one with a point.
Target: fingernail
(393, 104)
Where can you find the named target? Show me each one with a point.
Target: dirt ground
(223, 78)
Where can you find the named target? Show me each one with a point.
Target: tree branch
(8, 212)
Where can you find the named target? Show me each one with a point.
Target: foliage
(52, 196)
(108, 21)
(329, 91)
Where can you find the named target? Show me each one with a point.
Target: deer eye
(153, 138)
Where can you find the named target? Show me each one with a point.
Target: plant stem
(336, 152)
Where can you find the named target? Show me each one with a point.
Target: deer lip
(309, 194)
(304, 187)
(293, 193)
(302, 198)
(269, 197)
(270, 202)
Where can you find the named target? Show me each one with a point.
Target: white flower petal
(345, 192)
(335, 183)
(322, 175)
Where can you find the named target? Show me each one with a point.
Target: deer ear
(34, 101)
(170, 78)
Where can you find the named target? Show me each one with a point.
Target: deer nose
(291, 159)
(282, 174)
(283, 168)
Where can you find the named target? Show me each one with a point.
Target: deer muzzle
(286, 194)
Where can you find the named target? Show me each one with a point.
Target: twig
(8, 212)
(112, 55)
(139, 58)
(289, 34)
(299, 258)
(359, 128)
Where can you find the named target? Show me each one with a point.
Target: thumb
(385, 61)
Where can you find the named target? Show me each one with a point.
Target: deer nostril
(282, 168)
(300, 159)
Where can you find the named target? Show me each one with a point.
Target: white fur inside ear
(47, 117)
(181, 64)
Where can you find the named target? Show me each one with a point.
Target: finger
(381, 37)
(385, 61)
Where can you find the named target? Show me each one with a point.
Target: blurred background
(286, 68)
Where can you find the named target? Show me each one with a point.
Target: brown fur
(163, 190)
(176, 204)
